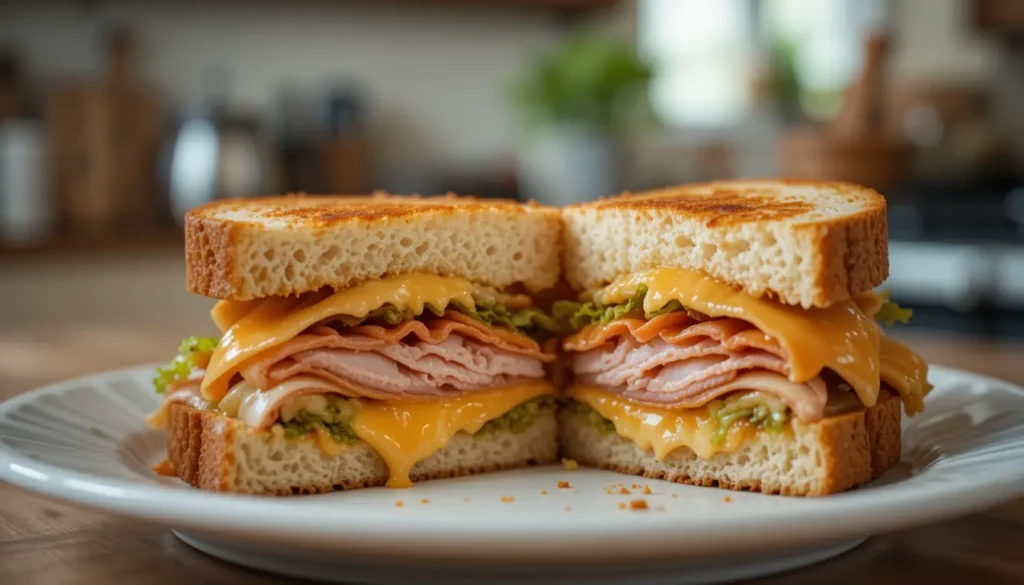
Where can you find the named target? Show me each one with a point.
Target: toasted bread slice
(217, 453)
(804, 243)
(827, 457)
(253, 248)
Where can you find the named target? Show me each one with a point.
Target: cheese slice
(659, 429)
(906, 373)
(841, 337)
(251, 327)
(405, 433)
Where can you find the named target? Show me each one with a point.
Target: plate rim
(232, 514)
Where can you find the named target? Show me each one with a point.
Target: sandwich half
(363, 341)
(726, 335)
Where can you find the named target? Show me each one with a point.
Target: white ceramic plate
(83, 441)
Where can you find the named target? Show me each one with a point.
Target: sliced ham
(674, 360)
(417, 360)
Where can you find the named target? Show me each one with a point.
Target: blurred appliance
(952, 129)
(856, 146)
(345, 147)
(105, 136)
(213, 153)
(26, 206)
(956, 254)
(12, 94)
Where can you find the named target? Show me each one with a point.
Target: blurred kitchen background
(116, 117)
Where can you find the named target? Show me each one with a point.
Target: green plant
(592, 82)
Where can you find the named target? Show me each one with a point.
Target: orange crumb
(647, 490)
(640, 504)
(399, 504)
(625, 492)
(635, 486)
(622, 505)
(507, 499)
(424, 501)
(727, 500)
(564, 484)
(570, 464)
(543, 492)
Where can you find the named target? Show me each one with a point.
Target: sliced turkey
(676, 361)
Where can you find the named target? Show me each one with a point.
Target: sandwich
(363, 341)
(727, 334)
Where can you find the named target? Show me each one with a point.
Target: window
(700, 49)
(709, 53)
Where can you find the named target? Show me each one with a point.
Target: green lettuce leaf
(179, 368)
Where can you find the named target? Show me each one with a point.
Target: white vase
(568, 164)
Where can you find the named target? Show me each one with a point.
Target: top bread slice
(244, 249)
(804, 243)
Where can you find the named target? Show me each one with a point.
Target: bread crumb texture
(803, 242)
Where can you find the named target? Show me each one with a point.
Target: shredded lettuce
(603, 426)
(734, 410)
(891, 313)
(575, 315)
(304, 423)
(529, 321)
(519, 419)
(190, 352)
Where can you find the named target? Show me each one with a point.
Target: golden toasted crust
(202, 447)
(809, 243)
(243, 249)
(831, 456)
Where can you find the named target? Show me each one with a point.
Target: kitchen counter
(47, 542)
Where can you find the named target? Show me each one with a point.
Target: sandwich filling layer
(402, 364)
(669, 341)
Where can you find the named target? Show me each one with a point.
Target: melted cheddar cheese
(841, 337)
(405, 433)
(251, 327)
(906, 373)
(662, 430)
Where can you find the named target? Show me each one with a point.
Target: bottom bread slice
(829, 456)
(213, 452)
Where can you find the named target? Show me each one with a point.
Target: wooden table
(42, 542)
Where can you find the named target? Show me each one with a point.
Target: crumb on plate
(570, 464)
(625, 492)
(640, 504)
(564, 484)
(507, 499)
(647, 490)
